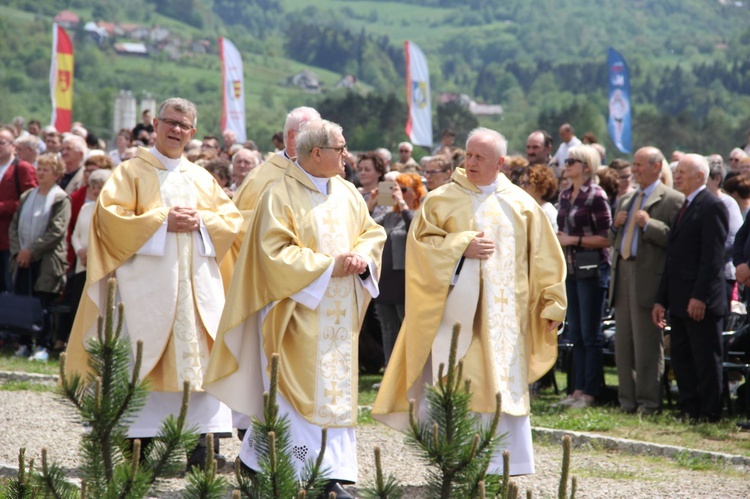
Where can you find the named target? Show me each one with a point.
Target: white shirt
(4, 168)
(562, 153)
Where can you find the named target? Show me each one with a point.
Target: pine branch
(172, 437)
(53, 478)
(203, 484)
(563, 488)
(70, 388)
(384, 488)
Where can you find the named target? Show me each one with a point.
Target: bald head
(691, 173)
(646, 166)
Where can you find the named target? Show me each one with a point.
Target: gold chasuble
(289, 245)
(168, 282)
(245, 198)
(501, 302)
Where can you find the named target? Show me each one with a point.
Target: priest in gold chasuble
(305, 274)
(159, 226)
(258, 180)
(482, 253)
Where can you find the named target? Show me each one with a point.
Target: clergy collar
(170, 164)
(321, 183)
(486, 189)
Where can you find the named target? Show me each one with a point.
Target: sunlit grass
(9, 362)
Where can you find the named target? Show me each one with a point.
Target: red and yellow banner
(61, 79)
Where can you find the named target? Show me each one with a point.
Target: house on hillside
(67, 19)
(110, 28)
(200, 47)
(135, 49)
(476, 108)
(158, 34)
(306, 80)
(347, 81)
(138, 32)
(96, 33)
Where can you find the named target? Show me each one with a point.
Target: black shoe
(336, 488)
(744, 425)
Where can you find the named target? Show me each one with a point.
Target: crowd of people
(320, 251)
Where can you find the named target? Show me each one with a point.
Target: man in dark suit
(639, 237)
(692, 288)
(16, 177)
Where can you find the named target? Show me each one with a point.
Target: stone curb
(32, 377)
(636, 447)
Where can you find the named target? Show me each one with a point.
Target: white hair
(406, 145)
(78, 143)
(297, 116)
(384, 153)
(700, 163)
(317, 133)
(498, 141)
(100, 176)
(80, 131)
(30, 141)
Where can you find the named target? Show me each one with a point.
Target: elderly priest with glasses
(305, 274)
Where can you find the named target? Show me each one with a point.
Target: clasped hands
(182, 219)
(347, 263)
(641, 218)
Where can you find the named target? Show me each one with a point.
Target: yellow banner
(64, 82)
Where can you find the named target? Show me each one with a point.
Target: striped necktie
(630, 230)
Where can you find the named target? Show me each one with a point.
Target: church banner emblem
(232, 90)
(419, 122)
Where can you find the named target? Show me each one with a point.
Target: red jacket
(77, 200)
(10, 193)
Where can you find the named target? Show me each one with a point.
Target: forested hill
(544, 61)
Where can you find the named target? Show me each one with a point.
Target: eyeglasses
(734, 159)
(339, 150)
(174, 123)
(571, 161)
(432, 172)
(404, 150)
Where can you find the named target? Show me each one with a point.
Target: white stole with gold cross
(338, 321)
(499, 316)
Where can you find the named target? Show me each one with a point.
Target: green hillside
(543, 61)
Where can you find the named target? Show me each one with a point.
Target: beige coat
(50, 248)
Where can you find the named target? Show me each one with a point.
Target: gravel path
(35, 420)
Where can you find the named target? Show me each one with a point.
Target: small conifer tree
(107, 401)
(277, 478)
(451, 438)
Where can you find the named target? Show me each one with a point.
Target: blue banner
(619, 102)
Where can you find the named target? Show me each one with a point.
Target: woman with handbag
(584, 219)
(37, 238)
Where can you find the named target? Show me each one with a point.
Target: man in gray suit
(639, 238)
